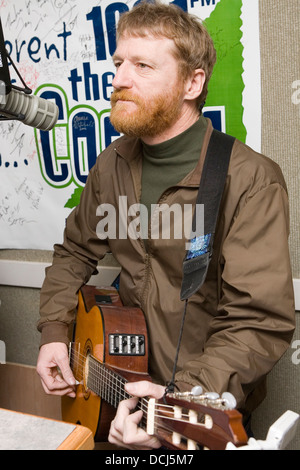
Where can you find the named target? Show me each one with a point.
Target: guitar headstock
(193, 420)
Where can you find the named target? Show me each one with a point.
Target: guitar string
(99, 379)
(143, 403)
(110, 379)
(111, 375)
(115, 380)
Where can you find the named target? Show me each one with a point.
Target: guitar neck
(109, 385)
(105, 383)
(193, 417)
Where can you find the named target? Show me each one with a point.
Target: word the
(90, 83)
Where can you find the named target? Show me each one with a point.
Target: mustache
(123, 95)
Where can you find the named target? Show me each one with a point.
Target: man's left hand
(124, 430)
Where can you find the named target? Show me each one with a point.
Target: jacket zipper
(147, 254)
(145, 287)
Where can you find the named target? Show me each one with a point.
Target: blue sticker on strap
(198, 246)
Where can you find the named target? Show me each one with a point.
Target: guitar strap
(198, 256)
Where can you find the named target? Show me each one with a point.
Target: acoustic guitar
(109, 348)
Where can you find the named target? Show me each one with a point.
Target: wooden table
(20, 431)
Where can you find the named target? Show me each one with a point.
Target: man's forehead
(144, 43)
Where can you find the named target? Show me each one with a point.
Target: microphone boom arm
(17, 103)
(5, 80)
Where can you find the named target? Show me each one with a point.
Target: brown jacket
(241, 321)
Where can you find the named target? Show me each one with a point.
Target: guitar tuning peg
(212, 395)
(229, 400)
(197, 390)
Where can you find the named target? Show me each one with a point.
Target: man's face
(149, 95)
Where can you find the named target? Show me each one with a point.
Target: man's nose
(122, 78)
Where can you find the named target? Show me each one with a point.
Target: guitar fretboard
(109, 385)
(182, 421)
(106, 383)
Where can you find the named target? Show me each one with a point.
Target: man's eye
(141, 65)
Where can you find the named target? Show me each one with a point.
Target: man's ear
(194, 84)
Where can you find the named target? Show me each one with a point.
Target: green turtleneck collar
(167, 163)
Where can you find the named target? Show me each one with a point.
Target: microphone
(30, 109)
(18, 103)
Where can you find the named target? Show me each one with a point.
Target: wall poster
(63, 49)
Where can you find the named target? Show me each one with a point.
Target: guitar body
(109, 348)
(114, 335)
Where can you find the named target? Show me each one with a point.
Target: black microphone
(30, 109)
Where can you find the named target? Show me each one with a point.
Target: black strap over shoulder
(196, 262)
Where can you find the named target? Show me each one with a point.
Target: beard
(145, 116)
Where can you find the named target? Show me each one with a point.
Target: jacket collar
(130, 149)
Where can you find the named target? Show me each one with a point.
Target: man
(241, 321)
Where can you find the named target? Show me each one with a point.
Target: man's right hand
(56, 382)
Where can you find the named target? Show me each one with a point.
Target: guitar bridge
(126, 345)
